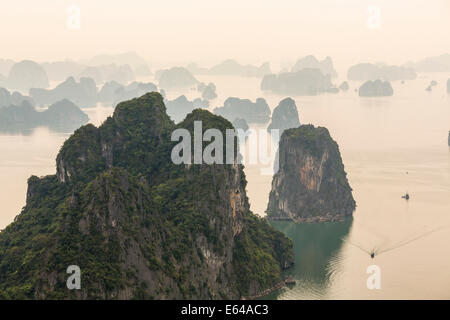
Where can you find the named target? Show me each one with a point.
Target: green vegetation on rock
(137, 225)
(311, 184)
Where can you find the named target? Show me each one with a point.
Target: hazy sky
(208, 31)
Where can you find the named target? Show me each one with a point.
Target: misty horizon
(181, 32)
(225, 150)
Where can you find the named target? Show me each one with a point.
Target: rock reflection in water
(317, 257)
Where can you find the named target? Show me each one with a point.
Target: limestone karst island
(223, 159)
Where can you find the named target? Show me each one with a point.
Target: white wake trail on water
(383, 248)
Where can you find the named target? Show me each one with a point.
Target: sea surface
(390, 146)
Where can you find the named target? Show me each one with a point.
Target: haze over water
(390, 146)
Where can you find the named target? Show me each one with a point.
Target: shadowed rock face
(179, 108)
(105, 73)
(376, 88)
(136, 224)
(109, 92)
(176, 77)
(284, 116)
(307, 81)
(252, 112)
(83, 93)
(61, 70)
(311, 184)
(27, 74)
(208, 92)
(325, 66)
(3, 81)
(131, 91)
(16, 98)
(61, 116)
(344, 86)
(239, 123)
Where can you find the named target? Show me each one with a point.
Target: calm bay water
(390, 146)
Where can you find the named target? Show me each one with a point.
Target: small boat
(406, 196)
(290, 280)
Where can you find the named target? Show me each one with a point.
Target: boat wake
(383, 248)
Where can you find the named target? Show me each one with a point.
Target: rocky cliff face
(239, 123)
(176, 77)
(325, 66)
(15, 98)
(27, 74)
(179, 108)
(311, 184)
(252, 112)
(82, 93)
(369, 71)
(137, 225)
(344, 86)
(376, 88)
(284, 116)
(61, 116)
